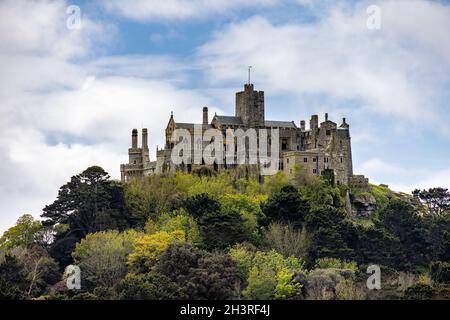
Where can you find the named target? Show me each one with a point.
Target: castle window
(287, 160)
(305, 160)
(284, 144)
(328, 132)
(298, 148)
(341, 160)
(314, 159)
(315, 171)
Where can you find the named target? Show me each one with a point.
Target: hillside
(230, 235)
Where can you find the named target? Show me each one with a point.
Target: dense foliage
(227, 235)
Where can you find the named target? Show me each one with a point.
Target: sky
(71, 90)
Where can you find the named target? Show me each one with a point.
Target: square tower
(250, 107)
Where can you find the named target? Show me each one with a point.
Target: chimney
(314, 123)
(134, 139)
(326, 116)
(144, 138)
(302, 125)
(205, 115)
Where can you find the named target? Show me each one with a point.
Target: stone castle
(323, 147)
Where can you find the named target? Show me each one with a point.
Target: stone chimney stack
(314, 123)
(205, 115)
(303, 125)
(134, 139)
(144, 138)
(326, 116)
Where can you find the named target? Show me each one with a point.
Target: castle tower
(250, 106)
(134, 153)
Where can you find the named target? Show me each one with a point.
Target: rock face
(364, 204)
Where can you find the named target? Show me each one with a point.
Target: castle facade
(323, 147)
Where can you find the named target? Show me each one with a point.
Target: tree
(203, 275)
(177, 220)
(223, 229)
(148, 286)
(249, 209)
(40, 270)
(13, 283)
(267, 271)
(27, 231)
(178, 260)
(219, 227)
(286, 206)
(287, 287)
(215, 278)
(437, 200)
(287, 240)
(200, 205)
(440, 272)
(148, 248)
(402, 221)
(329, 232)
(102, 257)
(87, 204)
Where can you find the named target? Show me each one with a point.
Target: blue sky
(69, 98)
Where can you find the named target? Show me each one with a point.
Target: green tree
(27, 231)
(215, 278)
(13, 282)
(148, 248)
(286, 206)
(87, 204)
(330, 233)
(219, 227)
(203, 275)
(287, 240)
(267, 271)
(402, 221)
(437, 200)
(148, 286)
(102, 257)
(177, 220)
(40, 270)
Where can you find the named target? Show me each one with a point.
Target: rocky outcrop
(363, 204)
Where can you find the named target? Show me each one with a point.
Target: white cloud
(399, 71)
(376, 167)
(62, 110)
(143, 10)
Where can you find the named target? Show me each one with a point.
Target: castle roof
(280, 124)
(184, 125)
(229, 120)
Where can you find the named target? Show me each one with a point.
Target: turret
(250, 106)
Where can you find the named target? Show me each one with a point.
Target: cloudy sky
(71, 90)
